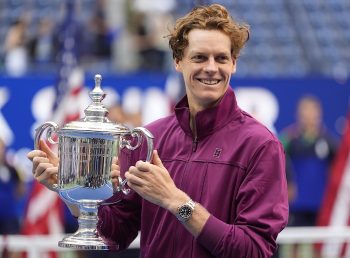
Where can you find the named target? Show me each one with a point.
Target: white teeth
(210, 82)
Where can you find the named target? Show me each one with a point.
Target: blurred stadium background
(289, 38)
(49, 55)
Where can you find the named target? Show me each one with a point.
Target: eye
(222, 59)
(198, 58)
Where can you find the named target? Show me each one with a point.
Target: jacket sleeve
(119, 223)
(261, 213)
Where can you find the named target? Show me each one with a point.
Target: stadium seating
(288, 38)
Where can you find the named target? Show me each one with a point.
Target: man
(310, 148)
(216, 186)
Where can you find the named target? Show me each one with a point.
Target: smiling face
(207, 65)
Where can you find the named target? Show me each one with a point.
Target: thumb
(156, 160)
(50, 154)
(115, 160)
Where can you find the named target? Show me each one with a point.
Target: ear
(177, 65)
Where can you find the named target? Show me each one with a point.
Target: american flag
(44, 213)
(71, 78)
(335, 211)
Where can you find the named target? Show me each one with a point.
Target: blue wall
(18, 114)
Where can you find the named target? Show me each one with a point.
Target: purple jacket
(235, 169)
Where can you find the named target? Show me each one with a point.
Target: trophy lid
(95, 119)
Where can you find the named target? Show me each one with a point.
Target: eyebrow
(198, 52)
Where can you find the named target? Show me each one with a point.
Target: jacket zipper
(194, 144)
(194, 148)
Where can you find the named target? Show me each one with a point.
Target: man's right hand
(45, 165)
(45, 170)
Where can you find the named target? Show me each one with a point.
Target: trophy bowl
(86, 149)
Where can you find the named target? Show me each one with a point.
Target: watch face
(185, 212)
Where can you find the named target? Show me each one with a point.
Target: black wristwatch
(185, 211)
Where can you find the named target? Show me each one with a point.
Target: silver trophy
(86, 149)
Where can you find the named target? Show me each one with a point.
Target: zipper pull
(194, 144)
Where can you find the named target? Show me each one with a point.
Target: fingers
(134, 180)
(115, 182)
(43, 146)
(50, 154)
(49, 177)
(36, 153)
(115, 161)
(146, 166)
(142, 166)
(37, 160)
(45, 165)
(40, 165)
(43, 170)
(156, 159)
(140, 169)
(115, 168)
(115, 173)
(140, 174)
(115, 164)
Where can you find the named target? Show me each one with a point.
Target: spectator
(12, 188)
(151, 51)
(16, 60)
(43, 46)
(310, 148)
(98, 40)
(102, 37)
(116, 114)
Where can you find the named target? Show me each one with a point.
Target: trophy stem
(86, 237)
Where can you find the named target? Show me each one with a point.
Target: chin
(210, 101)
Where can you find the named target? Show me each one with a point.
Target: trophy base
(87, 237)
(85, 243)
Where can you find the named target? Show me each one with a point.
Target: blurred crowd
(129, 35)
(132, 42)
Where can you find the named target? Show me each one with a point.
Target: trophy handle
(49, 127)
(137, 132)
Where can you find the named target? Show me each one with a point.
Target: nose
(211, 66)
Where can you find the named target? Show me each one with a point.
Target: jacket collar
(211, 119)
